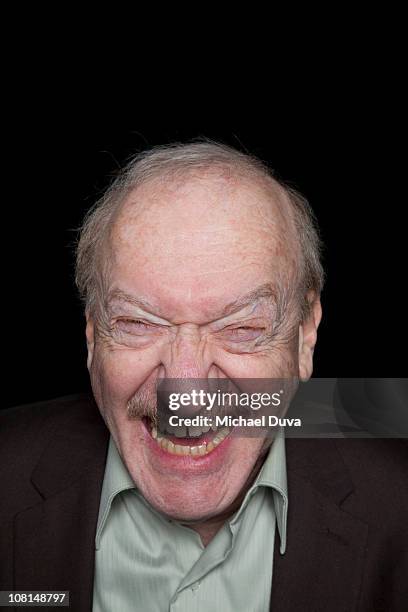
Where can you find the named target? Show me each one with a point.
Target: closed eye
(242, 334)
(134, 326)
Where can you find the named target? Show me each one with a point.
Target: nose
(188, 356)
(187, 365)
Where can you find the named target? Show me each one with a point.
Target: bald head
(205, 206)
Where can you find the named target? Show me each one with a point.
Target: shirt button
(195, 586)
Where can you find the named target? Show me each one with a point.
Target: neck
(208, 528)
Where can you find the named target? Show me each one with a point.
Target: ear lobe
(90, 340)
(308, 337)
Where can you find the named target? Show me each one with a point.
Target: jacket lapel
(323, 564)
(54, 539)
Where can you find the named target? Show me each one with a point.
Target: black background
(62, 154)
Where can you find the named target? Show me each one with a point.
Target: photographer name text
(231, 421)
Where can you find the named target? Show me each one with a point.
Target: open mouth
(188, 441)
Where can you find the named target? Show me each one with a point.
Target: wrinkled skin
(187, 250)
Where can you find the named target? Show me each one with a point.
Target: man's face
(191, 268)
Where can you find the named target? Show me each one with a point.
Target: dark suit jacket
(347, 519)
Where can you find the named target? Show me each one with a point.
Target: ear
(90, 338)
(308, 336)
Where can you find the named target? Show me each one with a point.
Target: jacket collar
(76, 444)
(323, 564)
(55, 539)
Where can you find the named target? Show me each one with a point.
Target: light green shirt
(148, 563)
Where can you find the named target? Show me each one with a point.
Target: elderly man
(197, 265)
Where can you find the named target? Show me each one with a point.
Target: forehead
(200, 243)
(203, 210)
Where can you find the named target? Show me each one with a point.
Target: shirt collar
(116, 480)
(272, 475)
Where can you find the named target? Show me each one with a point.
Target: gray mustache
(142, 405)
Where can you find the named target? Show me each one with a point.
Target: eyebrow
(122, 296)
(267, 291)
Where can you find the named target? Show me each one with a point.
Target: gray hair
(174, 161)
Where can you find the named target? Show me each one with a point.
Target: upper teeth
(180, 432)
(186, 432)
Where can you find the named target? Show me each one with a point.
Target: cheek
(274, 363)
(117, 374)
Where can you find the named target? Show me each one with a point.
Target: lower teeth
(195, 451)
